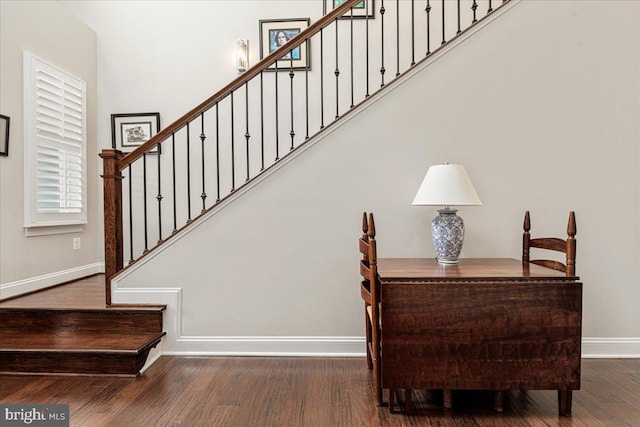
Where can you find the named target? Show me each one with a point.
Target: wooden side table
(482, 324)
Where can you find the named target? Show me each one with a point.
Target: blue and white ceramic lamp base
(447, 231)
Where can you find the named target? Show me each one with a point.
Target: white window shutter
(55, 146)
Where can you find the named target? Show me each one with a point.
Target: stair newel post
(113, 240)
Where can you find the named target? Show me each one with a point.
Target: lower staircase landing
(69, 330)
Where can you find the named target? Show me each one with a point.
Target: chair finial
(571, 227)
(365, 226)
(527, 222)
(372, 226)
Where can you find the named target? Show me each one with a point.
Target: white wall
(51, 32)
(541, 107)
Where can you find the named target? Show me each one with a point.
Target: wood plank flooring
(85, 293)
(317, 392)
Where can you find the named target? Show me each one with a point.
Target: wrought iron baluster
(474, 7)
(444, 40)
(366, 29)
(276, 111)
(413, 34)
(397, 38)
(306, 88)
(428, 10)
(130, 216)
(233, 151)
(203, 196)
(144, 199)
(246, 133)
(217, 154)
(291, 75)
(459, 30)
(351, 45)
(337, 73)
(321, 80)
(261, 122)
(188, 175)
(173, 163)
(159, 198)
(490, 8)
(382, 70)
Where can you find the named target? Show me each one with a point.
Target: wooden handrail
(236, 83)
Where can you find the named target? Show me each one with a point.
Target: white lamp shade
(447, 185)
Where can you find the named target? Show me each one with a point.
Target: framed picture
(129, 131)
(4, 135)
(363, 9)
(276, 32)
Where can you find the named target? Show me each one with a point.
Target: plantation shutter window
(55, 146)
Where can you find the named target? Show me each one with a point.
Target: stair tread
(77, 342)
(112, 309)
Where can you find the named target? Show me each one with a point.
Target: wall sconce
(242, 55)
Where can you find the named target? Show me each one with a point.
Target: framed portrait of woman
(275, 33)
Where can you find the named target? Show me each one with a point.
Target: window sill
(53, 229)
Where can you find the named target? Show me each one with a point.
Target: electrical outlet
(76, 243)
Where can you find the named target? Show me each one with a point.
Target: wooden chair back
(369, 290)
(363, 245)
(368, 264)
(566, 246)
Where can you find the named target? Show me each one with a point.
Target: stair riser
(80, 321)
(51, 362)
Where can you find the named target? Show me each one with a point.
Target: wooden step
(76, 353)
(130, 319)
(69, 330)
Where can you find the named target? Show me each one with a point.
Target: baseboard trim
(611, 348)
(282, 346)
(32, 284)
(176, 344)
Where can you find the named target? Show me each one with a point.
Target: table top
(390, 269)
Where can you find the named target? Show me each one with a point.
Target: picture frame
(129, 131)
(5, 121)
(359, 10)
(275, 32)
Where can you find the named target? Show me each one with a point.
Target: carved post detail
(526, 237)
(571, 245)
(113, 242)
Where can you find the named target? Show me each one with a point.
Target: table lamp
(447, 185)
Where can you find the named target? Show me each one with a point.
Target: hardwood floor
(84, 293)
(318, 392)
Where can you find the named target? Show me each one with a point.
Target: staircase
(273, 110)
(67, 330)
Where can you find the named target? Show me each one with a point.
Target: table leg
(408, 407)
(564, 402)
(447, 399)
(498, 400)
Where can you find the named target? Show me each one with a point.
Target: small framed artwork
(129, 131)
(361, 10)
(276, 32)
(4, 135)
